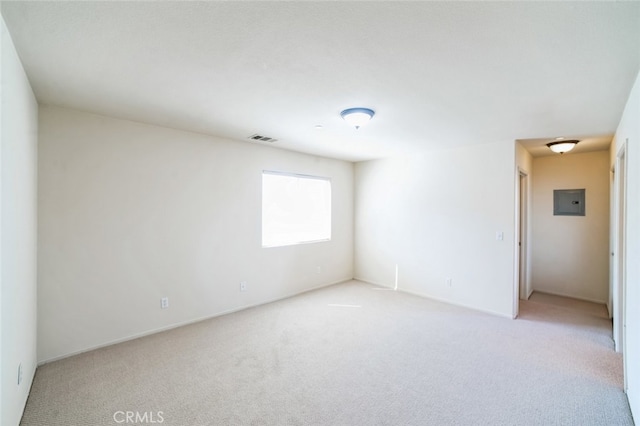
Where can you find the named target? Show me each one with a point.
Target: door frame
(618, 286)
(523, 227)
(521, 242)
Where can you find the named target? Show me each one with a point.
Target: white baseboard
(437, 299)
(183, 323)
(461, 305)
(634, 403)
(364, 280)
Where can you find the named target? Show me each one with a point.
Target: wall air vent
(262, 138)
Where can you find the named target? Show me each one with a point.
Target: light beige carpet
(581, 306)
(348, 355)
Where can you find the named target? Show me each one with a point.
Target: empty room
(320, 213)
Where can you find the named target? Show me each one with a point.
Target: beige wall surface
(18, 195)
(131, 213)
(570, 254)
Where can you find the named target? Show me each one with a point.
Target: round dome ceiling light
(563, 146)
(357, 117)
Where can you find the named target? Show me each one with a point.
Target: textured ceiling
(438, 74)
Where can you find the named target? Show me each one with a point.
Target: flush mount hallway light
(562, 146)
(357, 117)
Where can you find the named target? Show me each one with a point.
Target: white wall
(18, 154)
(130, 213)
(435, 215)
(629, 130)
(570, 254)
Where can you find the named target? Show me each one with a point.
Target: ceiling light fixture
(562, 146)
(357, 117)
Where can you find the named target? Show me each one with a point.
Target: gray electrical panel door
(568, 202)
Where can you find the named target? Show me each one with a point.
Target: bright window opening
(296, 209)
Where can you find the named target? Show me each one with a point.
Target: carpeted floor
(347, 355)
(582, 306)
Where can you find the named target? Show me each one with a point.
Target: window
(296, 209)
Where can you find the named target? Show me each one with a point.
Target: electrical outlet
(449, 282)
(19, 374)
(318, 269)
(243, 286)
(164, 303)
